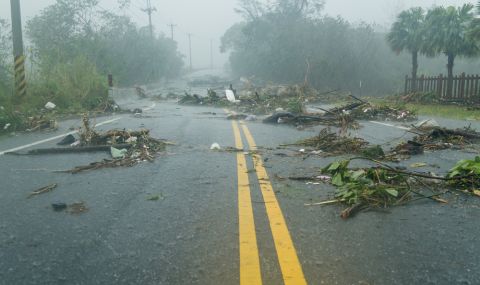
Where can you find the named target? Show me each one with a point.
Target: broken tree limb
(43, 190)
(410, 173)
(106, 163)
(351, 211)
(358, 99)
(328, 92)
(324, 203)
(64, 150)
(348, 107)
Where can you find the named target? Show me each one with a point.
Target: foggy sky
(208, 19)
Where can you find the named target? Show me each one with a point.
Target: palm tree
(474, 32)
(448, 33)
(408, 33)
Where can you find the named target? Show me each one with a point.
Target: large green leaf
(393, 192)
(337, 180)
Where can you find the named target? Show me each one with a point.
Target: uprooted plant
(366, 187)
(466, 175)
(383, 186)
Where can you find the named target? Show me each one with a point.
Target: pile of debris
(141, 93)
(382, 185)
(337, 116)
(329, 143)
(212, 99)
(40, 123)
(287, 104)
(258, 101)
(466, 175)
(385, 113)
(437, 138)
(126, 147)
(273, 97)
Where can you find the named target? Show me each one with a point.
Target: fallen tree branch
(63, 150)
(43, 190)
(324, 203)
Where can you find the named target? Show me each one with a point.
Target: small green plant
(371, 186)
(466, 173)
(295, 106)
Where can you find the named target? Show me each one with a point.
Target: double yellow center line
(250, 272)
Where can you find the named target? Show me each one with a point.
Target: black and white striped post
(19, 63)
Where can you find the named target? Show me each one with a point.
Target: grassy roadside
(448, 111)
(74, 88)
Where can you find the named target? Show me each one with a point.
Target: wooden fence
(466, 88)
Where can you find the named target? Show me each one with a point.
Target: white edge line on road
(390, 125)
(53, 138)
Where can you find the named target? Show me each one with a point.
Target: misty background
(208, 20)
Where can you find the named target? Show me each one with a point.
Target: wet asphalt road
(190, 235)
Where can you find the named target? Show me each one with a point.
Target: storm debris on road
(383, 186)
(441, 138)
(139, 146)
(212, 99)
(437, 138)
(155, 197)
(43, 190)
(407, 149)
(310, 120)
(215, 146)
(332, 144)
(77, 208)
(379, 186)
(67, 140)
(59, 206)
(258, 101)
(40, 123)
(385, 113)
(236, 116)
(140, 92)
(288, 104)
(74, 208)
(465, 175)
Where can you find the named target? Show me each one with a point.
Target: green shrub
(73, 87)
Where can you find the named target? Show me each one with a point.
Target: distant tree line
(287, 41)
(74, 44)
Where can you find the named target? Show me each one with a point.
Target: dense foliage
(73, 45)
(80, 28)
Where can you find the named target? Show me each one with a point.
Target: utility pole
(149, 10)
(19, 63)
(211, 53)
(190, 50)
(172, 26)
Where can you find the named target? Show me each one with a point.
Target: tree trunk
(414, 70)
(451, 60)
